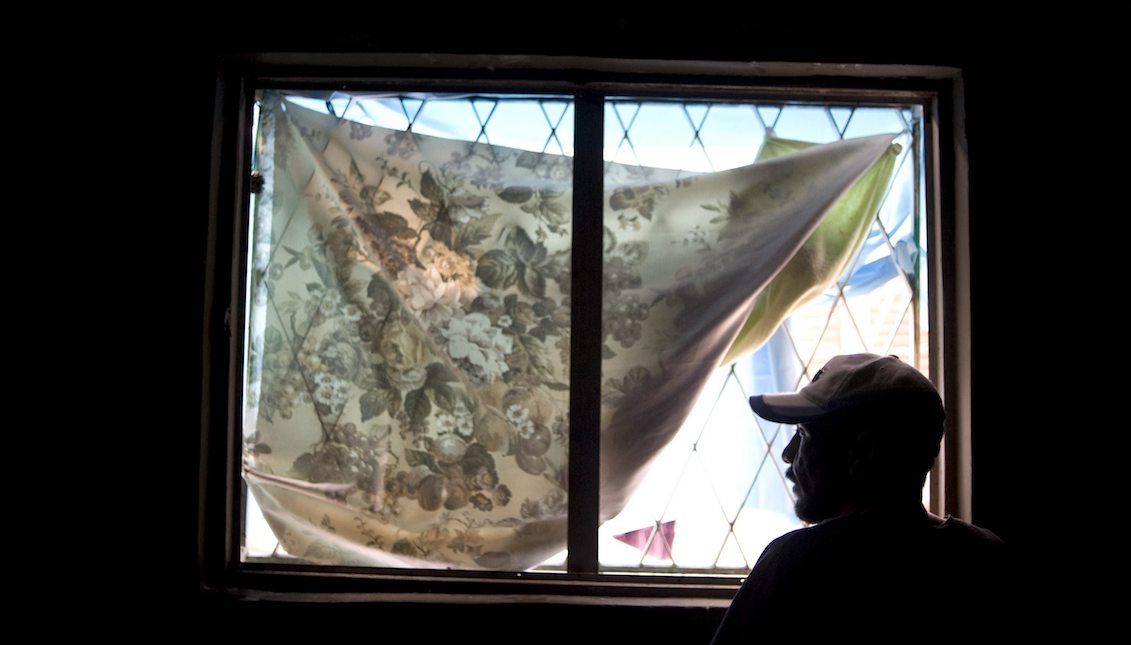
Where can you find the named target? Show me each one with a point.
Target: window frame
(588, 80)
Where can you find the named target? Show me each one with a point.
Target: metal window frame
(589, 80)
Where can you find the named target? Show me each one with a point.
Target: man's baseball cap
(850, 382)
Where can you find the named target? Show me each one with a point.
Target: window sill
(246, 595)
(318, 585)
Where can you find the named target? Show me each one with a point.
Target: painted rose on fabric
(474, 339)
(409, 379)
(401, 345)
(341, 357)
(427, 294)
(454, 269)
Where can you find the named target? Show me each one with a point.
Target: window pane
(692, 481)
(407, 369)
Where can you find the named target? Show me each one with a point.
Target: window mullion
(585, 336)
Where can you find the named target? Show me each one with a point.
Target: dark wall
(471, 624)
(994, 144)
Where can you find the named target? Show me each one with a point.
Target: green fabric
(823, 257)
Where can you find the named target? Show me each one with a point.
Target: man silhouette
(873, 562)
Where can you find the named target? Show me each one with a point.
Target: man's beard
(808, 511)
(815, 508)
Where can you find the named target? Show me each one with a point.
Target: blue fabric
(773, 368)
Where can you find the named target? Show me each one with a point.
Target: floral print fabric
(409, 329)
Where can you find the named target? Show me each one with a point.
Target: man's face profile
(819, 458)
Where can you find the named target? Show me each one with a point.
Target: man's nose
(790, 451)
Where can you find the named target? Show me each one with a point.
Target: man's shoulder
(857, 534)
(965, 530)
(816, 538)
(969, 546)
(832, 530)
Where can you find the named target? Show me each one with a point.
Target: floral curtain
(409, 329)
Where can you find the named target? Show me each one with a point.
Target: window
(674, 138)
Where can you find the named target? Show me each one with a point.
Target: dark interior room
(172, 574)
